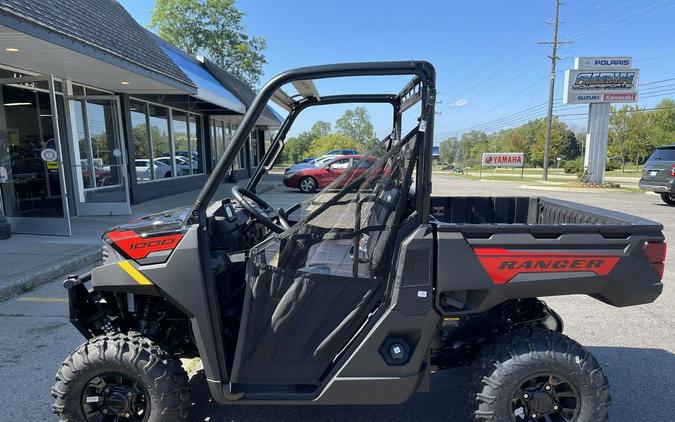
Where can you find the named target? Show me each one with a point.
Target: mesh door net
(311, 288)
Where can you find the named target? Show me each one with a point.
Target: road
(635, 345)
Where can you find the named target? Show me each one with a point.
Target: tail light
(672, 170)
(656, 255)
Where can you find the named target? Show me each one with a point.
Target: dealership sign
(602, 63)
(601, 80)
(503, 159)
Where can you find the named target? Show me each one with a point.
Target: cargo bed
(490, 249)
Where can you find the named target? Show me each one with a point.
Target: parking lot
(635, 345)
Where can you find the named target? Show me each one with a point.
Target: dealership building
(97, 113)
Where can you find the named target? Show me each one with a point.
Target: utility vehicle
(373, 287)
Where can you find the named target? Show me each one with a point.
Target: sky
(491, 71)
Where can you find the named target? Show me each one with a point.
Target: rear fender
(465, 284)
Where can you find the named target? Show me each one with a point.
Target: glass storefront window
(31, 187)
(196, 144)
(181, 143)
(83, 150)
(159, 136)
(139, 129)
(103, 132)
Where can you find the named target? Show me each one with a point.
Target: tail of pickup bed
(492, 249)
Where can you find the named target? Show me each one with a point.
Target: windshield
(320, 162)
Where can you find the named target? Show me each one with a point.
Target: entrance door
(98, 159)
(32, 182)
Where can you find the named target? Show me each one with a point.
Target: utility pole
(551, 90)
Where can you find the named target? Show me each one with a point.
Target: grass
(567, 183)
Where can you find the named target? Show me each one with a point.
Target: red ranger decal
(138, 247)
(502, 265)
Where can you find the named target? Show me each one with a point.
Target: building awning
(208, 88)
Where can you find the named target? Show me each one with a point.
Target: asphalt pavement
(635, 345)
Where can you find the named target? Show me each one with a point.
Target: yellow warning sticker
(52, 165)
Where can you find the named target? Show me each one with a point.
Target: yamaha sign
(503, 159)
(601, 80)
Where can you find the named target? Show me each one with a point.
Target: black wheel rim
(545, 398)
(115, 397)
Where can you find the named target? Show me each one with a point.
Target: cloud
(460, 103)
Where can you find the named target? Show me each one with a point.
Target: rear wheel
(121, 377)
(537, 375)
(307, 185)
(668, 198)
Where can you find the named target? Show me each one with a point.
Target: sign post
(599, 81)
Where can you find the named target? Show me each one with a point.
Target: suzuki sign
(503, 159)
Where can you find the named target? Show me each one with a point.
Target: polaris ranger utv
(373, 288)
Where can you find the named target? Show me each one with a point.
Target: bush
(575, 166)
(612, 165)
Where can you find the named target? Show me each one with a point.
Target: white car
(182, 164)
(161, 170)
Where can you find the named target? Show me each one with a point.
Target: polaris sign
(602, 63)
(601, 80)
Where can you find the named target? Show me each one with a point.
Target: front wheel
(307, 185)
(668, 198)
(121, 377)
(538, 375)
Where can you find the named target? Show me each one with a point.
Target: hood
(154, 235)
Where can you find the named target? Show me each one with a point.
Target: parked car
(182, 164)
(317, 162)
(342, 152)
(658, 174)
(161, 170)
(311, 178)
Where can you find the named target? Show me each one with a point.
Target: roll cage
(420, 89)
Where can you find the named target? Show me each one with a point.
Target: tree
(618, 135)
(320, 128)
(331, 141)
(448, 150)
(570, 147)
(297, 148)
(212, 28)
(355, 124)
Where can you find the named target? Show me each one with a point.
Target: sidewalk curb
(44, 275)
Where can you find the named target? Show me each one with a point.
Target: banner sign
(503, 159)
(601, 80)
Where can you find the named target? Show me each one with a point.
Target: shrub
(574, 166)
(612, 165)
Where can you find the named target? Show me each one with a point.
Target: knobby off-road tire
(511, 360)
(668, 198)
(137, 358)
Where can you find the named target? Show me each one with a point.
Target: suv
(658, 174)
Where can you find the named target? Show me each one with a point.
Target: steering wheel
(260, 210)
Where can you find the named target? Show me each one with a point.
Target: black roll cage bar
(420, 88)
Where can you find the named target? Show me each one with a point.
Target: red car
(310, 179)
